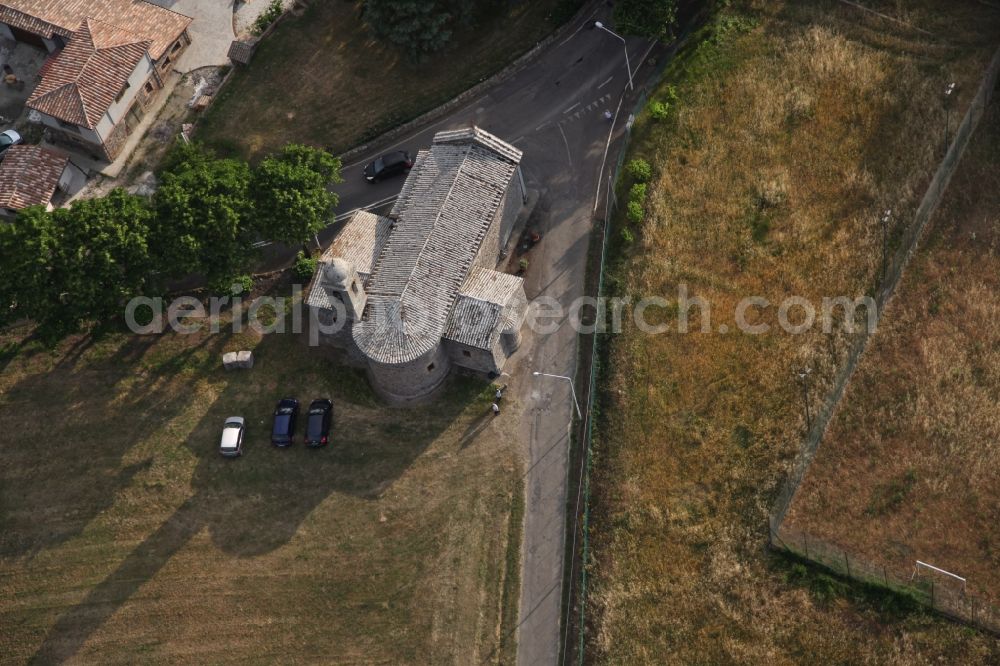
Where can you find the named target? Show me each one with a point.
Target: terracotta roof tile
(82, 82)
(29, 176)
(161, 27)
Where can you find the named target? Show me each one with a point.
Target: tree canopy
(649, 18)
(78, 264)
(422, 26)
(290, 196)
(75, 264)
(203, 216)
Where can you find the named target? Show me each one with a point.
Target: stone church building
(415, 292)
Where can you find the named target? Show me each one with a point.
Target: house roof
(82, 81)
(160, 26)
(446, 207)
(29, 176)
(359, 243)
(483, 308)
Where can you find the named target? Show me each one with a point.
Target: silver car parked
(231, 445)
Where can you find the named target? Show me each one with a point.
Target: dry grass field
(909, 466)
(126, 538)
(325, 79)
(796, 125)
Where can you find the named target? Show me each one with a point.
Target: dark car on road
(285, 415)
(319, 422)
(390, 164)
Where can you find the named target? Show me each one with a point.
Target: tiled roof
(33, 24)
(82, 82)
(29, 176)
(449, 201)
(161, 27)
(359, 242)
(481, 310)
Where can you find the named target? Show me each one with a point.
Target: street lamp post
(572, 387)
(598, 24)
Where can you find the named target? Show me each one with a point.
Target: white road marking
(571, 108)
(569, 156)
(610, 79)
(582, 26)
(611, 133)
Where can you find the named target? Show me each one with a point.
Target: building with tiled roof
(413, 294)
(82, 81)
(109, 60)
(57, 20)
(34, 176)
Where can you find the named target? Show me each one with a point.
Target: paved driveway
(211, 32)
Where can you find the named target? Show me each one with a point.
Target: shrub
(671, 94)
(269, 16)
(640, 170)
(627, 235)
(636, 212)
(241, 285)
(659, 110)
(637, 193)
(304, 267)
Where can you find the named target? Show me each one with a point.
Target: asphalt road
(553, 110)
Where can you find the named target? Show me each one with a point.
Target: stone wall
(405, 382)
(472, 358)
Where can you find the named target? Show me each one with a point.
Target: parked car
(319, 422)
(7, 139)
(390, 164)
(231, 445)
(285, 415)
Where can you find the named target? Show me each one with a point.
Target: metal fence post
(847, 563)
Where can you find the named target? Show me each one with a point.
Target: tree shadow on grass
(67, 434)
(253, 505)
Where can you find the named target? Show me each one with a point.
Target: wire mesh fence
(943, 599)
(579, 588)
(940, 593)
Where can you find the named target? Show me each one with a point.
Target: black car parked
(319, 422)
(390, 164)
(285, 415)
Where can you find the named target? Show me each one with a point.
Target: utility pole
(885, 241)
(947, 113)
(804, 381)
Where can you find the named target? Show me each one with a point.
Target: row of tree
(79, 264)
(423, 27)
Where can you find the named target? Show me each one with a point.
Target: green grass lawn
(125, 537)
(325, 79)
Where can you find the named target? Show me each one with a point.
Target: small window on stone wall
(430, 368)
(466, 353)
